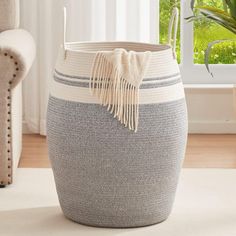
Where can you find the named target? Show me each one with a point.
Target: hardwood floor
(211, 151)
(34, 152)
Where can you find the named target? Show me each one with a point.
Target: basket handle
(173, 26)
(64, 31)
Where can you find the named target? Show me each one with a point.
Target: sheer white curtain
(134, 20)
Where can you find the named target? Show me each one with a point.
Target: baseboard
(212, 127)
(25, 128)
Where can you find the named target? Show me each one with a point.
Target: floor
(203, 151)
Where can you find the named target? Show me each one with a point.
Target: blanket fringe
(113, 91)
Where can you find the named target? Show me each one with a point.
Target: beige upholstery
(17, 51)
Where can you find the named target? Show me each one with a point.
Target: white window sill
(209, 86)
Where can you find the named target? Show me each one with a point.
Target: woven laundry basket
(106, 174)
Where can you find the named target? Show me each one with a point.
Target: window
(205, 32)
(192, 41)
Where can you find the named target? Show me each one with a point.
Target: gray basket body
(109, 176)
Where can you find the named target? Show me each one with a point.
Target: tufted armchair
(17, 52)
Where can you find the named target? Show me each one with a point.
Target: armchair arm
(19, 45)
(17, 52)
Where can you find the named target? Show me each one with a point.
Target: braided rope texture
(105, 174)
(109, 176)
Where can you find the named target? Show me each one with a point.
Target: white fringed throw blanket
(116, 78)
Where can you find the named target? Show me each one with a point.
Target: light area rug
(205, 206)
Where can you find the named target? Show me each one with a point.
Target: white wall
(211, 108)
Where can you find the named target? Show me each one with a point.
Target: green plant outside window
(205, 31)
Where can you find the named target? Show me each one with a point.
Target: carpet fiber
(205, 206)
